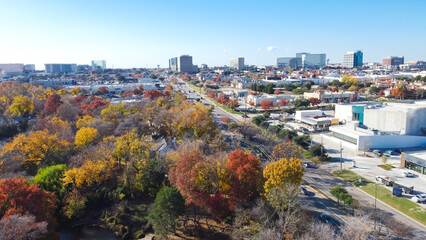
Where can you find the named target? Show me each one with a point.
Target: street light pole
(341, 156)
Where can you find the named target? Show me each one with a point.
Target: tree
(152, 176)
(399, 91)
(34, 148)
(365, 146)
(85, 121)
(22, 227)
(153, 94)
(283, 102)
(316, 150)
(103, 90)
(286, 150)
(50, 178)
(246, 175)
(168, 206)
(282, 172)
(85, 135)
(21, 106)
(301, 102)
(303, 140)
(18, 196)
(266, 104)
(342, 195)
(353, 88)
(384, 159)
(128, 93)
(52, 104)
(277, 92)
(314, 101)
(233, 104)
(381, 93)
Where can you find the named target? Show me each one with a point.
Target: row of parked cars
(394, 152)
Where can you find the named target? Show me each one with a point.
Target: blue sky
(146, 33)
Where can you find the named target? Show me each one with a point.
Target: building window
(345, 138)
(414, 166)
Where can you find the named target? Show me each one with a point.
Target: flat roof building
(309, 60)
(60, 68)
(353, 59)
(184, 64)
(99, 64)
(393, 61)
(11, 69)
(237, 63)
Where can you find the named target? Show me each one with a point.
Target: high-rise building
(287, 62)
(184, 64)
(352, 59)
(309, 60)
(99, 64)
(393, 61)
(173, 64)
(237, 63)
(29, 67)
(11, 69)
(60, 68)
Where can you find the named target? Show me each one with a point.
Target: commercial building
(60, 68)
(173, 64)
(393, 61)
(11, 69)
(414, 160)
(332, 97)
(55, 83)
(237, 63)
(287, 62)
(353, 59)
(184, 64)
(99, 64)
(308, 60)
(29, 68)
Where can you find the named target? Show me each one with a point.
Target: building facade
(60, 68)
(287, 62)
(184, 64)
(11, 69)
(308, 60)
(353, 59)
(237, 63)
(99, 64)
(393, 61)
(173, 64)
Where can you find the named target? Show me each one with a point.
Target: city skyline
(133, 34)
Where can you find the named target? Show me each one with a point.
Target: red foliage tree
(22, 227)
(218, 206)
(52, 104)
(314, 101)
(251, 103)
(245, 174)
(266, 104)
(138, 91)
(381, 93)
(335, 89)
(94, 103)
(103, 90)
(80, 99)
(153, 94)
(283, 102)
(141, 87)
(277, 91)
(226, 120)
(211, 94)
(222, 99)
(128, 93)
(19, 196)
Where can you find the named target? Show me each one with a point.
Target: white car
(407, 174)
(379, 178)
(419, 198)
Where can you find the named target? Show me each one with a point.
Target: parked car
(327, 219)
(307, 165)
(377, 152)
(379, 178)
(407, 174)
(419, 198)
(391, 152)
(303, 190)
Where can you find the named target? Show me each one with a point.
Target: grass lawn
(402, 204)
(386, 166)
(197, 89)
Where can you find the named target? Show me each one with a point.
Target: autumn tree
(153, 94)
(232, 104)
(52, 104)
(399, 91)
(286, 150)
(21, 106)
(283, 102)
(353, 88)
(22, 227)
(85, 135)
(85, 121)
(103, 90)
(266, 104)
(19, 196)
(34, 148)
(277, 92)
(314, 101)
(245, 175)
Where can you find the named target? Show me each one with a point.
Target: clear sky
(146, 33)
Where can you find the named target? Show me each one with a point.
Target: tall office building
(309, 60)
(60, 68)
(237, 63)
(99, 64)
(353, 59)
(287, 62)
(11, 69)
(393, 61)
(173, 64)
(184, 64)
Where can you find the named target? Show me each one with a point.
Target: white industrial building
(382, 125)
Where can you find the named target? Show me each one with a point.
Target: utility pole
(375, 201)
(341, 156)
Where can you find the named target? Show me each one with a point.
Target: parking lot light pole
(341, 170)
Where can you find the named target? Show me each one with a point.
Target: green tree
(168, 205)
(342, 195)
(302, 140)
(50, 178)
(384, 159)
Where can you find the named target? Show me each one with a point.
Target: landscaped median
(197, 89)
(401, 204)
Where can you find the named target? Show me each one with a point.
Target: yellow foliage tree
(130, 147)
(348, 79)
(76, 91)
(113, 112)
(85, 121)
(89, 174)
(36, 147)
(279, 173)
(63, 92)
(353, 88)
(85, 136)
(20, 106)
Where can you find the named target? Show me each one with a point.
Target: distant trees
(266, 104)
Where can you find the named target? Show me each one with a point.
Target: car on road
(391, 152)
(327, 219)
(303, 129)
(303, 190)
(407, 174)
(307, 165)
(419, 198)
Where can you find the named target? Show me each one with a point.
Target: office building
(29, 67)
(99, 64)
(60, 68)
(237, 63)
(55, 83)
(393, 61)
(173, 64)
(11, 69)
(287, 62)
(353, 59)
(184, 64)
(308, 60)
